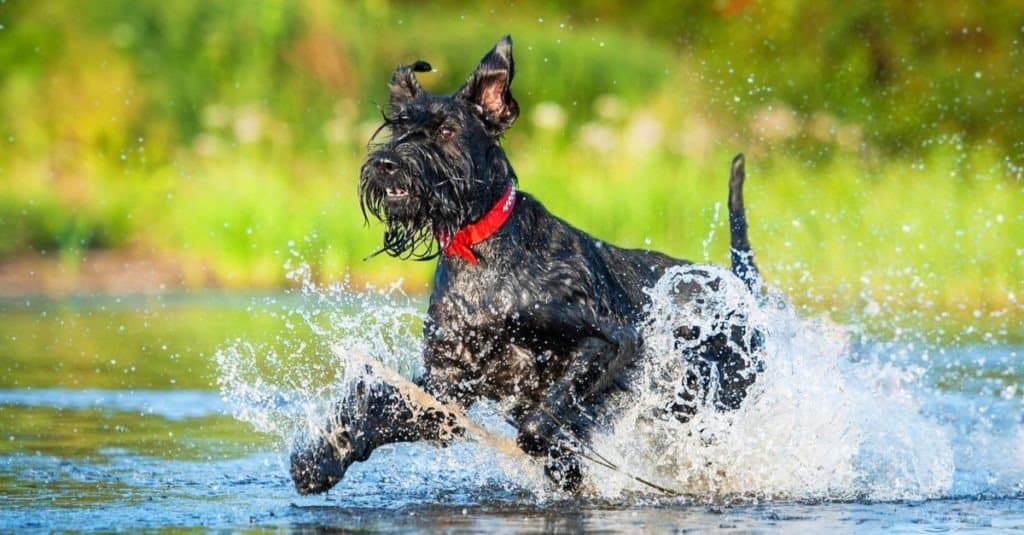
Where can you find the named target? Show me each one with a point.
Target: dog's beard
(405, 242)
(438, 201)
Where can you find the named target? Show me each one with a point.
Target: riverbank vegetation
(884, 140)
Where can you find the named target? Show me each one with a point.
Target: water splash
(826, 419)
(285, 387)
(819, 423)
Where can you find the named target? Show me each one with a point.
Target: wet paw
(318, 466)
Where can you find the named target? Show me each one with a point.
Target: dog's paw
(318, 466)
(537, 432)
(540, 435)
(565, 470)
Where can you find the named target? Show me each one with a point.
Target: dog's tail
(742, 256)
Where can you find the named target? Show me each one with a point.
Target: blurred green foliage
(885, 139)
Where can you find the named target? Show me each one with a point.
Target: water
(177, 411)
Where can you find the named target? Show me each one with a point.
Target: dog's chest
(483, 324)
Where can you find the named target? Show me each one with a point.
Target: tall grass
(169, 129)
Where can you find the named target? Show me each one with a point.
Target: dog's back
(504, 328)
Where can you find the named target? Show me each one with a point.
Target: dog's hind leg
(742, 256)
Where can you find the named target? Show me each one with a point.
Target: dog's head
(441, 167)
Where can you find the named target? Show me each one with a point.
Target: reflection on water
(178, 404)
(109, 420)
(148, 342)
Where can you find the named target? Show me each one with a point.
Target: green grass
(835, 236)
(236, 148)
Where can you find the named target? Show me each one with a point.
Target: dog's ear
(488, 87)
(404, 86)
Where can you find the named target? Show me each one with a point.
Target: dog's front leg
(556, 426)
(374, 413)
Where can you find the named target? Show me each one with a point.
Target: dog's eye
(446, 132)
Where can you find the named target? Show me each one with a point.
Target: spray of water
(817, 423)
(826, 419)
(285, 387)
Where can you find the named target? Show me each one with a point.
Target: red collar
(474, 233)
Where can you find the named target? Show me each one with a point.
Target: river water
(178, 411)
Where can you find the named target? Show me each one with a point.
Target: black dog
(526, 309)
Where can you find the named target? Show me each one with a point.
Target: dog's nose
(385, 166)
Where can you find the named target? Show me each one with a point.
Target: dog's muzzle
(384, 177)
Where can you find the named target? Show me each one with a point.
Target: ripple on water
(169, 404)
(837, 436)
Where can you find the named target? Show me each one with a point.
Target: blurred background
(161, 147)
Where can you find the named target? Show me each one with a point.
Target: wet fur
(546, 324)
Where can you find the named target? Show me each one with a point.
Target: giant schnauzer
(526, 309)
